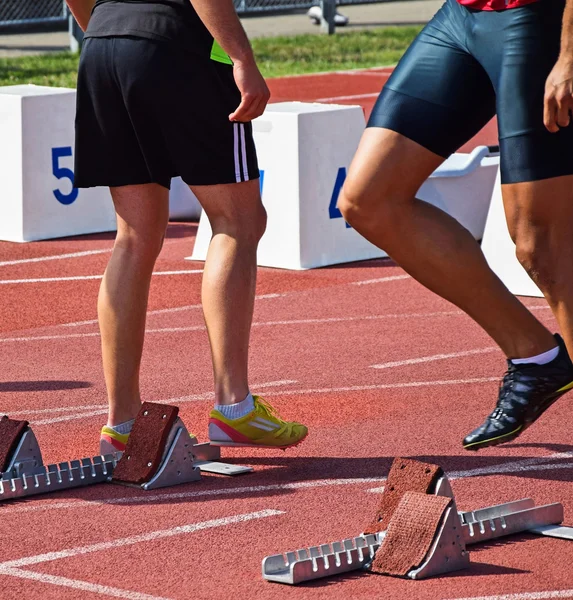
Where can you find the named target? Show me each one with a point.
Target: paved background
(361, 17)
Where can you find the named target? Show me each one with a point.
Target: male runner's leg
(437, 98)
(156, 126)
(537, 188)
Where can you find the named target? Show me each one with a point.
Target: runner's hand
(558, 102)
(254, 91)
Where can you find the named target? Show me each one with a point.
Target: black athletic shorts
(467, 65)
(147, 112)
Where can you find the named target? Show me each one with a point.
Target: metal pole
(328, 8)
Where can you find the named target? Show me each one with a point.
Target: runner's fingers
(250, 108)
(260, 108)
(550, 113)
(241, 114)
(564, 106)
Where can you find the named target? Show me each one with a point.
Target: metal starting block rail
(180, 459)
(448, 550)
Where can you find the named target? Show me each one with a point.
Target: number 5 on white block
(63, 173)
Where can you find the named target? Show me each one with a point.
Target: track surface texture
(315, 340)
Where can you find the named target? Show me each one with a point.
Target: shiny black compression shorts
(468, 65)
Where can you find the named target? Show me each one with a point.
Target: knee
(533, 251)
(246, 225)
(365, 209)
(141, 248)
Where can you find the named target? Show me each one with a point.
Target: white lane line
(383, 386)
(528, 464)
(22, 261)
(164, 311)
(513, 466)
(190, 328)
(502, 469)
(86, 277)
(137, 539)
(380, 280)
(434, 357)
(76, 584)
(168, 496)
(102, 408)
(352, 97)
(526, 596)
(353, 388)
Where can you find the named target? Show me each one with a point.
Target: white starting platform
(499, 250)
(304, 152)
(39, 200)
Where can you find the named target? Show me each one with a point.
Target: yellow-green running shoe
(262, 427)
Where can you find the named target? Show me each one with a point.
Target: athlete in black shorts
(477, 58)
(158, 97)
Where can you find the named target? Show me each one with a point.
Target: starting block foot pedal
(424, 539)
(159, 450)
(406, 475)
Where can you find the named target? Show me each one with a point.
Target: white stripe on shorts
(244, 152)
(236, 147)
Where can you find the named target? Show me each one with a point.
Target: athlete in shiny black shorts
(476, 59)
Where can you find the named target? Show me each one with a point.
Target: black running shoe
(526, 392)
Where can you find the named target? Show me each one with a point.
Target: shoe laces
(516, 389)
(268, 410)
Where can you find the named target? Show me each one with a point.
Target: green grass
(276, 55)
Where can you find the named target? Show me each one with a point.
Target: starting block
(416, 532)
(160, 453)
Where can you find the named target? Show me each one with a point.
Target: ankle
(228, 395)
(119, 415)
(526, 348)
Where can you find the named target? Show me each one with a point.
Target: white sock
(237, 410)
(123, 428)
(540, 359)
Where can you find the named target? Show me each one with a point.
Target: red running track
(316, 339)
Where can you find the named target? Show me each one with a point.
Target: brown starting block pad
(10, 434)
(146, 444)
(415, 539)
(406, 475)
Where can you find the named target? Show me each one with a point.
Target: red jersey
(495, 4)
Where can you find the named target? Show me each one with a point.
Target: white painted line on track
(384, 386)
(353, 388)
(381, 280)
(516, 465)
(299, 485)
(99, 408)
(352, 97)
(87, 277)
(434, 357)
(137, 539)
(76, 584)
(317, 321)
(22, 261)
(526, 596)
(513, 466)
(164, 311)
